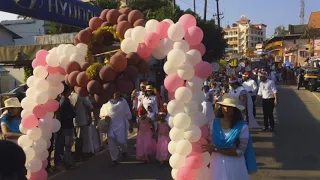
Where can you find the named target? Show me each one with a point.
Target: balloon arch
(76, 64)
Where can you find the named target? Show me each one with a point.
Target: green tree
(280, 31)
(57, 28)
(107, 4)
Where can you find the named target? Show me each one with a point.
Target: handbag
(104, 124)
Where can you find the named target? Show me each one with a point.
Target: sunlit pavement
(292, 152)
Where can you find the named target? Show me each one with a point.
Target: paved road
(291, 152)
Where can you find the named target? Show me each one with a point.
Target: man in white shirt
(251, 87)
(136, 98)
(268, 93)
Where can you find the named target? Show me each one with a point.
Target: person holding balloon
(233, 156)
(11, 119)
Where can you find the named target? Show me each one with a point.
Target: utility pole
(218, 14)
(205, 10)
(174, 4)
(194, 6)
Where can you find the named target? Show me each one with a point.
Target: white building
(7, 37)
(243, 35)
(26, 28)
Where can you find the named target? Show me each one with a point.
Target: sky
(270, 12)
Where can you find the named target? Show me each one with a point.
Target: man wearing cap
(137, 97)
(251, 87)
(268, 93)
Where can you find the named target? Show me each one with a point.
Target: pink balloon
(172, 82)
(44, 164)
(40, 175)
(51, 105)
(187, 21)
(42, 54)
(171, 95)
(37, 62)
(62, 71)
(200, 47)
(29, 121)
(194, 161)
(162, 29)
(152, 40)
(186, 174)
(203, 69)
(52, 70)
(193, 36)
(147, 58)
(196, 146)
(204, 131)
(39, 111)
(144, 51)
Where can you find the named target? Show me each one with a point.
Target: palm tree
(280, 31)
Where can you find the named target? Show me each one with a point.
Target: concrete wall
(5, 38)
(11, 80)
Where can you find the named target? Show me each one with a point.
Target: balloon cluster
(181, 43)
(38, 122)
(120, 71)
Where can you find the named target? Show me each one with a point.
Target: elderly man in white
(251, 87)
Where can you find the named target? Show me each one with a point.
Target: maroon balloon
(139, 22)
(82, 79)
(84, 66)
(100, 39)
(107, 74)
(118, 63)
(85, 36)
(95, 23)
(94, 87)
(122, 27)
(125, 10)
(106, 24)
(103, 14)
(124, 86)
(121, 53)
(72, 78)
(66, 80)
(89, 30)
(72, 66)
(133, 58)
(122, 17)
(82, 91)
(112, 16)
(108, 89)
(76, 40)
(131, 73)
(135, 15)
(143, 66)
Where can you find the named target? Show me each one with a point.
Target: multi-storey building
(243, 36)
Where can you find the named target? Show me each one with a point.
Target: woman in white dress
(150, 103)
(207, 104)
(118, 112)
(233, 156)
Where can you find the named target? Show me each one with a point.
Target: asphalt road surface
(292, 152)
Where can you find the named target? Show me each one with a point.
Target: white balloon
(169, 21)
(39, 146)
(176, 32)
(25, 112)
(183, 147)
(28, 175)
(34, 165)
(60, 49)
(52, 60)
(177, 161)
(195, 84)
(30, 81)
(177, 57)
(170, 122)
(58, 88)
(181, 121)
(169, 68)
(151, 25)
(64, 61)
(49, 115)
(41, 85)
(193, 57)
(52, 92)
(24, 141)
(183, 94)
(127, 34)
(82, 49)
(34, 133)
(158, 54)
(28, 103)
(31, 92)
(198, 97)
(138, 34)
(172, 147)
(43, 155)
(56, 125)
(29, 152)
(53, 50)
(203, 173)
(49, 141)
(191, 108)
(193, 133)
(186, 71)
(69, 49)
(22, 129)
(54, 79)
(182, 45)
(174, 107)
(40, 72)
(46, 125)
(206, 158)
(129, 45)
(199, 119)
(78, 58)
(42, 97)
(176, 134)
(174, 173)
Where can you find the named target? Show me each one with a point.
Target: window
(261, 33)
(286, 58)
(303, 54)
(255, 38)
(252, 44)
(251, 38)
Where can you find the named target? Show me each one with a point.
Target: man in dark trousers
(268, 93)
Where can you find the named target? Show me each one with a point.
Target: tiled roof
(314, 20)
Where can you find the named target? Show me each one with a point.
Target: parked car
(19, 92)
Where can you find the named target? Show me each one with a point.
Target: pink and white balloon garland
(38, 122)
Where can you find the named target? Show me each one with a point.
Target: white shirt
(267, 89)
(250, 85)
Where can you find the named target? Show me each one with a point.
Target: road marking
(316, 96)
